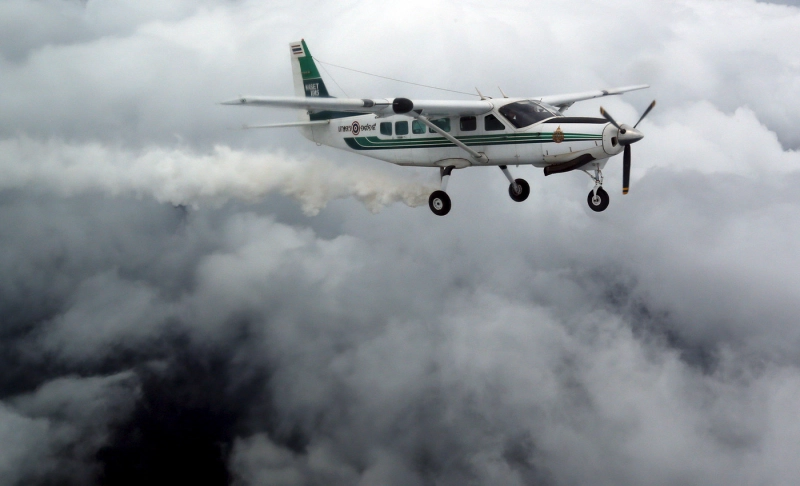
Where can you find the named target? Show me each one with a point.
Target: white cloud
(181, 177)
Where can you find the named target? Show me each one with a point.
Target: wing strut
(480, 157)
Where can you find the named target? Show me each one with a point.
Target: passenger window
(417, 127)
(492, 123)
(443, 123)
(401, 128)
(386, 128)
(468, 123)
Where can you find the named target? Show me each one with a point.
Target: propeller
(627, 135)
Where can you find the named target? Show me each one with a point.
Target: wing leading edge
(381, 107)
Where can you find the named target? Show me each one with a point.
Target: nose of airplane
(628, 135)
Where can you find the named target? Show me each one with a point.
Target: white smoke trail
(181, 177)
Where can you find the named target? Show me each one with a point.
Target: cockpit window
(524, 113)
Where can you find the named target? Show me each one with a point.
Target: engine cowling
(611, 144)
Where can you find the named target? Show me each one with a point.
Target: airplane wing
(377, 106)
(564, 101)
(390, 106)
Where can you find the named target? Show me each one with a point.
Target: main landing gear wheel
(598, 202)
(522, 192)
(439, 203)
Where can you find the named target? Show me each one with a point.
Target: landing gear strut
(598, 198)
(439, 201)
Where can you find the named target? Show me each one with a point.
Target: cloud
(736, 143)
(54, 432)
(169, 310)
(183, 178)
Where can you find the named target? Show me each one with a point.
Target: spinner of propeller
(626, 136)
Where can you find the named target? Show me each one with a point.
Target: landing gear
(598, 198)
(439, 203)
(519, 190)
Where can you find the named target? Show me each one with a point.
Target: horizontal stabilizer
(341, 104)
(288, 124)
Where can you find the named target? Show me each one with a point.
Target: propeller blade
(609, 118)
(645, 113)
(626, 169)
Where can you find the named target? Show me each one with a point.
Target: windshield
(524, 113)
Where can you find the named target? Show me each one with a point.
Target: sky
(184, 301)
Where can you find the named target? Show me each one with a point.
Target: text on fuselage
(355, 128)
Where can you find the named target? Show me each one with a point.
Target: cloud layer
(181, 177)
(211, 305)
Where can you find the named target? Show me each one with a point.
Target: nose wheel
(598, 199)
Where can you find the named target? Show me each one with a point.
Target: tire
(439, 202)
(601, 203)
(524, 190)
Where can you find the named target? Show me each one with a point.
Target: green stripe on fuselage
(375, 143)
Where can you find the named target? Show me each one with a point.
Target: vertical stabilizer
(308, 83)
(307, 80)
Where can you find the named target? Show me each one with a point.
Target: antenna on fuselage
(481, 94)
(501, 92)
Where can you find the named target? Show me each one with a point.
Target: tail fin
(307, 80)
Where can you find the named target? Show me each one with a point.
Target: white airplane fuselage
(551, 141)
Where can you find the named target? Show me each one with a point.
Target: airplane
(455, 134)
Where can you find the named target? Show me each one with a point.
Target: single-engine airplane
(454, 134)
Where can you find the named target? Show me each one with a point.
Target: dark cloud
(184, 423)
(181, 302)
